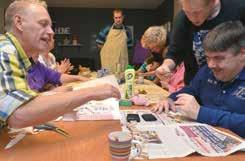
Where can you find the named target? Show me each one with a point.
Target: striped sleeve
(101, 38)
(129, 37)
(14, 90)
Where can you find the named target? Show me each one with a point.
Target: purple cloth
(140, 54)
(39, 75)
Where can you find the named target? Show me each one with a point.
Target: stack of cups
(120, 145)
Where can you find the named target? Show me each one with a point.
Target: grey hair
(205, 2)
(18, 7)
(154, 35)
(228, 36)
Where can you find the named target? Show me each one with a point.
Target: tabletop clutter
(128, 78)
(141, 129)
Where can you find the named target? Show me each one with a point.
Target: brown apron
(114, 53)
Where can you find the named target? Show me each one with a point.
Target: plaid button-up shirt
(14, 89)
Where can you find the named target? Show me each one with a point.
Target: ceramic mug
(120, 143)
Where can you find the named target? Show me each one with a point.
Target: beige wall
(1, 17)
(3, 5)
(177, 7)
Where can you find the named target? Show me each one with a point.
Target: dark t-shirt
(186, 39)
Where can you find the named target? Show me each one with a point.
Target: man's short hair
(226, 36)
(154, 35)
(117, 10)
(18, 7)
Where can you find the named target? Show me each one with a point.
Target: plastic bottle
(129, 82)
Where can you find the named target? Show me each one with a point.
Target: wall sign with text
(62, 30)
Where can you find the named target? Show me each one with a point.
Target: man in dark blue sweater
(190, 27)
(216, 95)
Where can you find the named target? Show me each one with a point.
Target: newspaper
(168, 138)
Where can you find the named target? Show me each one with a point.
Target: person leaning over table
(216, 95)
(29, 32)
(154, 39)
(190, 27)
(114, 42)
(41, 78)
(147, 69)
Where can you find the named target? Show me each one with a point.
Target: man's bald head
(19, 7)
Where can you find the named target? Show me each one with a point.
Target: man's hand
(165, 105)
(105, 91)
(163, 72)
(187, 105)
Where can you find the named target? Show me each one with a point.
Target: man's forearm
(66, 78)
(42, 109)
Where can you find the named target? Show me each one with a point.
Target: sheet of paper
(99, 110)
(107, 109)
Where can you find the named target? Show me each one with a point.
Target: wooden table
(88, 142)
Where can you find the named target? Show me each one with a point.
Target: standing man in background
(191, 26)
(114, 42)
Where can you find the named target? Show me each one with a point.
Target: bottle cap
(130, 67)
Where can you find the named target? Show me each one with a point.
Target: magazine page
(107, 109)
(209, 141)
